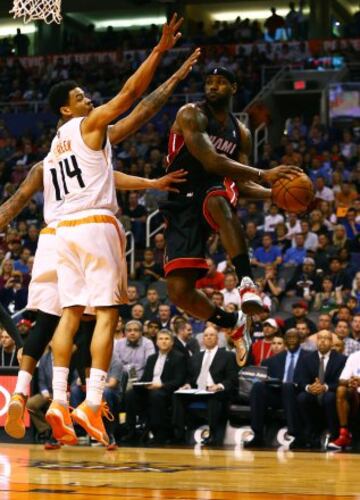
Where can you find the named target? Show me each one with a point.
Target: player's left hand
(169, 34)
(165, 182)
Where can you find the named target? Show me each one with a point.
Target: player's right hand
(170, 34)
(185, 69)
(281, 172)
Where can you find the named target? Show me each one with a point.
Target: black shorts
(186, 234)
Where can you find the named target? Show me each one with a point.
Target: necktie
(291, 368)
(204, 372)
(322, 370)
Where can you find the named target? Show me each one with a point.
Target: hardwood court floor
(29, 472)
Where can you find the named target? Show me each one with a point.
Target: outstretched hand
(170, 35)
(165, 183)
(185, 69)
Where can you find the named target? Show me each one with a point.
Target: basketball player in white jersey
(43, 293)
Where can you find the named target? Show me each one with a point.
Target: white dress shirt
(159, 367)
(211, 353)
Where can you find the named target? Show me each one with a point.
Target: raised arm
(136, 85)
(151, 104)
(192, 124)
(32, 183)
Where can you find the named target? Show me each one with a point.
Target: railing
(131, 250)
(244, 118)
(149, 233)
(259, 142)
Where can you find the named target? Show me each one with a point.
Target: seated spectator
(352, 227)
(230, 292)
(217, 299)
(320, 372)
(339, 238)
(295, 255)
(338, 276)
(328, 299)
(355, 290)
(347, 395)
(137, 312)
(324, 252)
(215, 371)
(112, 396)
(8, 350)
(151, 304)
(338, 345)
(324, 322)
(267, 253)
(355, 327)
(310, 239)
(22, 263)
(164, 316)
(39, 403)
(133, 350)
(262, 349)
(342, 330)
(148, 270)
(152, 328)
(293, 225)
(137, 214)
(345, 199)
(166, 372)
(277, 344)
(14, 294)
(6, 269)
(213, 280)
(159, 248)
(271, 284)
(273, 219)
(322, 192)
(119, 330)
(281, 237)
(286, 367)
(299, 311)
(183, 341)
(133, 297)
(304, 332)
(318, 223)
(253, 237)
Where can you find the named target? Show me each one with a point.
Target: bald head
(324, 341)
(210, 337)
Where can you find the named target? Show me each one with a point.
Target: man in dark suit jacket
(320, 374)
(214, 370)
(165, 371)
(286, 368)
(183, 341)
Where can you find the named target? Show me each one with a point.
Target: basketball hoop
(38, 10)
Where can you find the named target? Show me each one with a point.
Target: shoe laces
(105, 411)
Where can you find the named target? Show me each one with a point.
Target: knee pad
(40, 335)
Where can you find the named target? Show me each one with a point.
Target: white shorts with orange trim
(92, 267)
(43, 288)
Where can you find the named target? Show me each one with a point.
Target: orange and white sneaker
(91, 421)
(251, 302)
(14, 423)
(58, 417)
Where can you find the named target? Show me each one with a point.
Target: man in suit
(214, 370)
(320, 374)
(165, 371)
(183, 341)
(286, 368)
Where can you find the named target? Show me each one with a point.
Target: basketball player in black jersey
(213, 147)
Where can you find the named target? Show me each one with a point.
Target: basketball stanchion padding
(48, 11)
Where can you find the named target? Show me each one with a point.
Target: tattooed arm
(192, 123)
(32, 183)
(151, 104)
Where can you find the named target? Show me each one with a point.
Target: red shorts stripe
(230, 193)
(185, 263)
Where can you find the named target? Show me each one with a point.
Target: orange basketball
(293, 195)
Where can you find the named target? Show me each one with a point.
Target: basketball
(293, 195)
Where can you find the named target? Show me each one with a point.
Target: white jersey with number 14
(82, 178)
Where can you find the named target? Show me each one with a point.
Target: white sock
(23, 382)
(96, 386)
(60, 378)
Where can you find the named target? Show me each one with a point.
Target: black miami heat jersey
(226, 140)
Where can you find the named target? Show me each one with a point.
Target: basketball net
(35, 10)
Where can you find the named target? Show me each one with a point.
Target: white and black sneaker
(251, 302)
(242, 331)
